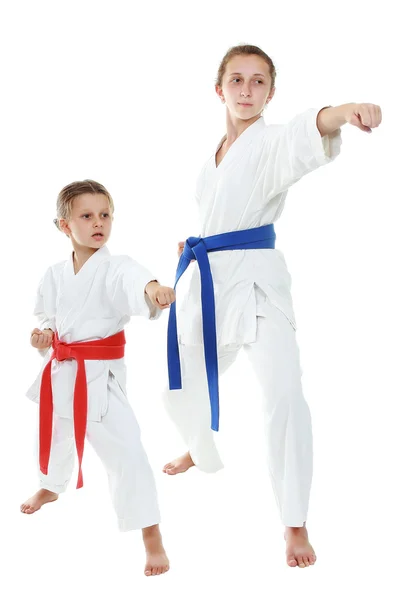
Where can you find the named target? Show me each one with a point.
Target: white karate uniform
(94, 304)
(253, 302)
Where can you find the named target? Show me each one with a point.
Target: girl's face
(246, 86)
(90, 222)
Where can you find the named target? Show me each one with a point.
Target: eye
(259, 81)
(236, 79)
(106, 215)
(85, 216)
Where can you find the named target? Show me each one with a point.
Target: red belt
(106, 349)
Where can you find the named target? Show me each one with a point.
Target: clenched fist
(160, 295)
(41, 339)
(364, 116)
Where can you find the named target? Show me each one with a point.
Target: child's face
(246, 86)
(90, 222)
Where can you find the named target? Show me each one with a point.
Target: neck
(80, 255)
(235, 126)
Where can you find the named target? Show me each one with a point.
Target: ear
(270, 95)
(220, 93)
(63, 224)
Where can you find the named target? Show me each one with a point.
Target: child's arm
(42, 338)
(134, 291)
(364, 116)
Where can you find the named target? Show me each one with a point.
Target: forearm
(332, 118)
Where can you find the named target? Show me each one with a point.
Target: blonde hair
(243, 50)
(72, 190)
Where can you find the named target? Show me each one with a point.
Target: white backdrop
(122, 92)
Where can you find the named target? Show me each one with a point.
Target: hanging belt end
(175, 386)
(215, 424)
(175, 381)
(80, 481)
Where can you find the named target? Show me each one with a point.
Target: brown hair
(245, 49)
(72, 190)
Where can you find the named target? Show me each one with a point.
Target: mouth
(98, 236)
(245, 104)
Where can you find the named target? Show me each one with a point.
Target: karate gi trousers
(116, 440)
(274, 357)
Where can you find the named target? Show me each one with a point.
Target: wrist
(349, 110)
(151, 286)
(331, 118)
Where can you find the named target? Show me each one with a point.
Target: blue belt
(197, 248)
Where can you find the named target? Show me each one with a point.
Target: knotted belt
(109, 348)
(197, 248)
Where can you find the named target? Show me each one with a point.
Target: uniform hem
(134, 524)
(56, 489)
(294, 522)
(206, 466)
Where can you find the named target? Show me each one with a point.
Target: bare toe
(301, 562)
(291, 561)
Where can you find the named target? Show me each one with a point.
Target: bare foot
(157, 561)
(299, 551)
(179, 465)
(41, 497)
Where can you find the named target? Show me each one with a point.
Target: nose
(245, 90)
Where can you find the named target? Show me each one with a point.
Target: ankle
(47, 492)
(296, 530)
(151, 533)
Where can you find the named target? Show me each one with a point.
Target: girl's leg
(275, 359)
(189, 409)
